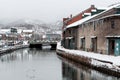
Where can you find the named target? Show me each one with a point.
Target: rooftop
(91, 16)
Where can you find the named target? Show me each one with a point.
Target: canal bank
(75, 71)
(103, 63)
(12, 48)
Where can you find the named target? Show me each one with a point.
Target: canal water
(35, 64)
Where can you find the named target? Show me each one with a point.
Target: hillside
(38, 26)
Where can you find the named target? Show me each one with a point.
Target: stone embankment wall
(89, 63)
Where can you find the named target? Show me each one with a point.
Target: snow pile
(99, 60)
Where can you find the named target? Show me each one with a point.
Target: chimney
(92, 6)
(71, 16)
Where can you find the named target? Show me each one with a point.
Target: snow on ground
(108, 61)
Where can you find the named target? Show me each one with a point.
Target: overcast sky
(46, 10)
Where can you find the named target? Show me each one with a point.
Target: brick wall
(102, 28)
(71, 33)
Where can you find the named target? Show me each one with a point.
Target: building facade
(98, 32)
(69, 39)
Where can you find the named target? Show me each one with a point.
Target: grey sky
(46, 10)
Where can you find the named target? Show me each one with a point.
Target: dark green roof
(97, 11)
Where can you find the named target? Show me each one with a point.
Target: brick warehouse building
(98, 31)
(68, 21)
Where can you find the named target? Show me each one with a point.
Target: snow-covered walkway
(100, 60)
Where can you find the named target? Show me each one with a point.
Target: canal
(35, 64)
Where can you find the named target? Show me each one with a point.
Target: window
(94, 25)
(73, 31)
(83, 43)
(70, 32)
(112, 24)
(94, 44)
(118, 11)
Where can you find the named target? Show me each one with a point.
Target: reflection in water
(74, 71)
(13, 56)
(30, 64)
(35, 64)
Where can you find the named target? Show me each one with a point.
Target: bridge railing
(44, 41)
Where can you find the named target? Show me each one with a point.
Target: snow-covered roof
(79, 22)
(4, 31)
(90, 17)
(102, 8)
(28, 31)
(93, 10)
(19, 30)
(87, 14)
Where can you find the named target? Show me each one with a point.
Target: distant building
(13, 30)
(99, 31)
(27, 34)
(51, 37)
(8, 34)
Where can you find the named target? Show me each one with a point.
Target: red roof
(71, 20)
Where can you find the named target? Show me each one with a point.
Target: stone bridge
(40, 43)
